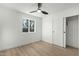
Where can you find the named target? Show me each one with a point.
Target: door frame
(64, 32)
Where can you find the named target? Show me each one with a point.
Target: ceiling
(51, 8)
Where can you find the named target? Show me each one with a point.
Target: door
(72, 31)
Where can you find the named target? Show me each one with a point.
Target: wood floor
(40, 49)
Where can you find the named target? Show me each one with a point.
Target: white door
(72, 31)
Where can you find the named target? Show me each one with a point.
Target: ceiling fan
(39, 9)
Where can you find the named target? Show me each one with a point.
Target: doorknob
(64, 32)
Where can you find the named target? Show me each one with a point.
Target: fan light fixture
(38, 11)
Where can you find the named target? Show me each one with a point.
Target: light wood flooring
(40, 49)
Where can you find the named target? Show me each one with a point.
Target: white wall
(57, 25)
(11, 34)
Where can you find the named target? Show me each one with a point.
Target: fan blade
(39, 5)
(44, 12)
(33, 11)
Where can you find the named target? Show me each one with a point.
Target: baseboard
(47, 41)
(72, 46)
(15, 46)
(53, 43)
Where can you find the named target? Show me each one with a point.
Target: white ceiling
(51, 8)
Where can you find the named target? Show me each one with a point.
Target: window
(28, 25)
